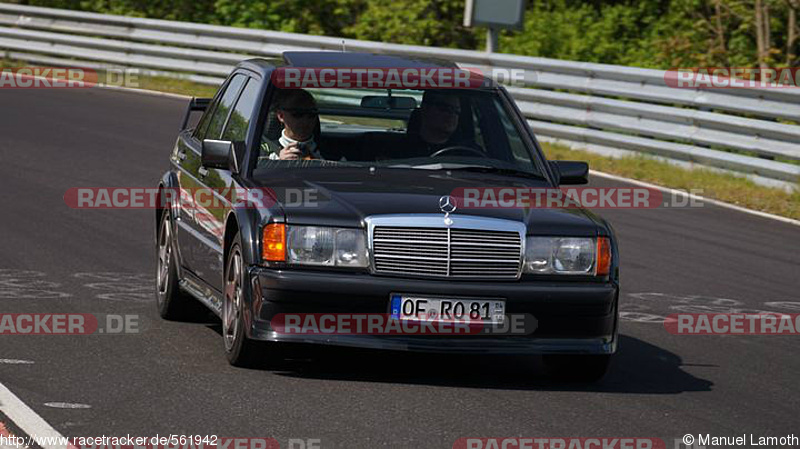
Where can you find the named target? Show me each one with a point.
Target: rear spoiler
(195, 105)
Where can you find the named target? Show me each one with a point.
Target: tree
(422, 22)
(322, 17)
(762, 32)
(646, 33)
(621, 32)
(792, 30)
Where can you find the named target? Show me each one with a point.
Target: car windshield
(401, 128)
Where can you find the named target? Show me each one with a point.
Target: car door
(211, 221)
(192, 188)
(184, 165)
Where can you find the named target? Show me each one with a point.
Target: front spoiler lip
(452, 345)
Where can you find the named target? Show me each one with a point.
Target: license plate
(416, 308)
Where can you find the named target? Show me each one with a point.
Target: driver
(440, 115)
(297, 111)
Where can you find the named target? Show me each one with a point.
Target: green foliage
(194, 11)
(650, 33)
(647, 33)
(325, 17)
(436, 23)
(582, 31)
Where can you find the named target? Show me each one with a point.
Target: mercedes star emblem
(448, 205)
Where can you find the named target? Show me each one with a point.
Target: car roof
(359, 60)
(342, 59)
(333, 59)
(262, 66)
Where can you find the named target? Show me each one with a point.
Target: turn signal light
(273, 243)
(603, 256)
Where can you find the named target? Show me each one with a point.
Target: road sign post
(495, 15)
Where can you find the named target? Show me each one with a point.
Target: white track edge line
(697, 197)
(26, 419)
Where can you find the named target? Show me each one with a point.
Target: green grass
(8, 63)
(712, 184)
(159, 83)
(175, 86)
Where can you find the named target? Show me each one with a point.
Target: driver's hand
(291, 152)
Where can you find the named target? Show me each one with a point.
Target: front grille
(445, 252)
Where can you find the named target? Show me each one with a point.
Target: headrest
(414, 122)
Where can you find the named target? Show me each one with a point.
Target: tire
(577, 368)
(240, 350)
(172, 303)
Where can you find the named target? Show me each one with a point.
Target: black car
(368, 221)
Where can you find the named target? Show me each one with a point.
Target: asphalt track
(172, 378)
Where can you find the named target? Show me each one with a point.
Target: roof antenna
(344, 48)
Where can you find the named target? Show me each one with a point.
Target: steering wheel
(458, 149)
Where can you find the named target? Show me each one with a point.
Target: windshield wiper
(493, 169)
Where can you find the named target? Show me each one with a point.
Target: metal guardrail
(580, 104)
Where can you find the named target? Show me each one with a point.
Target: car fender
(247, 222)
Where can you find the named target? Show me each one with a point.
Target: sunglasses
(303, 112)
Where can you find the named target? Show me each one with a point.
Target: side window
(236, 130)
(223, 108)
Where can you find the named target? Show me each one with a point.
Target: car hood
(346, 196)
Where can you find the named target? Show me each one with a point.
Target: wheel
(240, 350)
(580, 368)
(172, 303)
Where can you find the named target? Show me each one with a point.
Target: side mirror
(220, 154)
(571, 172)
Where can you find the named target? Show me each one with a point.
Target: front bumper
(572, 317)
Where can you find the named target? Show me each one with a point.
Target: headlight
(350, 248)
(316, 245)
(310, 245)
(567, 255)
